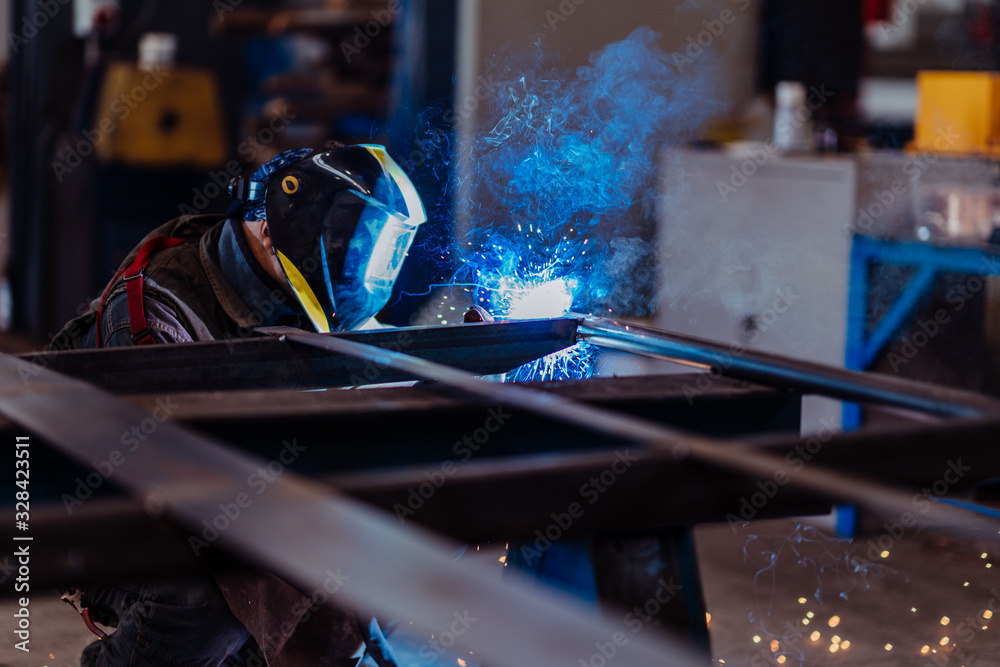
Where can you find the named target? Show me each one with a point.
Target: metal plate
(263, 362)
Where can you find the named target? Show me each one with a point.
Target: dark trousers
(183, 621)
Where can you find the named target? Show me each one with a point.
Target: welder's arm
(163, 322)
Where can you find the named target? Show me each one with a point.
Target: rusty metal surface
(398, 571)
(880, 500)
(261, 362)
(498, 499)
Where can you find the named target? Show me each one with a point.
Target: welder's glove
(477, 314)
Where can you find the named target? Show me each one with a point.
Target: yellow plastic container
(159, 117)
(958, 112)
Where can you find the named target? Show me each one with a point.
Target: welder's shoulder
(178, 280)
(162, 320)
(168, 283)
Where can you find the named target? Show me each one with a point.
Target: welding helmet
(341, 221)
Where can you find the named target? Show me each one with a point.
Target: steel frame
(395, 566)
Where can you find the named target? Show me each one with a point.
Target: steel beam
(778, 371)
(388, 569)
(881, 501)
(262, 363)
(510, 498)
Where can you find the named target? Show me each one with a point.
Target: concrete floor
(782, 592)
(779, 593)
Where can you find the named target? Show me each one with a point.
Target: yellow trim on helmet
(304, 294)
(414, 205)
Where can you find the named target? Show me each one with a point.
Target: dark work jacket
(187, 295)
(188, 298)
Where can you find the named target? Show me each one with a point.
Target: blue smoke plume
(560, 184)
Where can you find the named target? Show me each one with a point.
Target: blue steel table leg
(898, 314)
(862, 349)
(857, 323)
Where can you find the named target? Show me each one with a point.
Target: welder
(314, 239)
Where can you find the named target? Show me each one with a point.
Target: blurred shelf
(278, 22)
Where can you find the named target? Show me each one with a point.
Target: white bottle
(793, 131)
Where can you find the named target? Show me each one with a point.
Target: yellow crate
(958, 112)
(167, 116)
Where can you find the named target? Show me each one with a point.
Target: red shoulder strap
(134, 278)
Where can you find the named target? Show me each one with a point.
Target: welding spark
(538, 296)
(553, 298)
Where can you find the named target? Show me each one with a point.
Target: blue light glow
(560, 184)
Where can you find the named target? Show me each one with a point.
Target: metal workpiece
(261, 362)
(527, 469)
(509, 497)
(380, 566)
(880, 500)
(524, 490)
(777, 371)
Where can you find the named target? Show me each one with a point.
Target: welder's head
(341, 220)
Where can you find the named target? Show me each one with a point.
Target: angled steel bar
(303, 531)
(777, 371)
(915, 293)
(511, 497)
(260, 362)
(882, 501)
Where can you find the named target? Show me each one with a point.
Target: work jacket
(188, 297)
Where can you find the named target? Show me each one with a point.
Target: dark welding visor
(341, 221)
